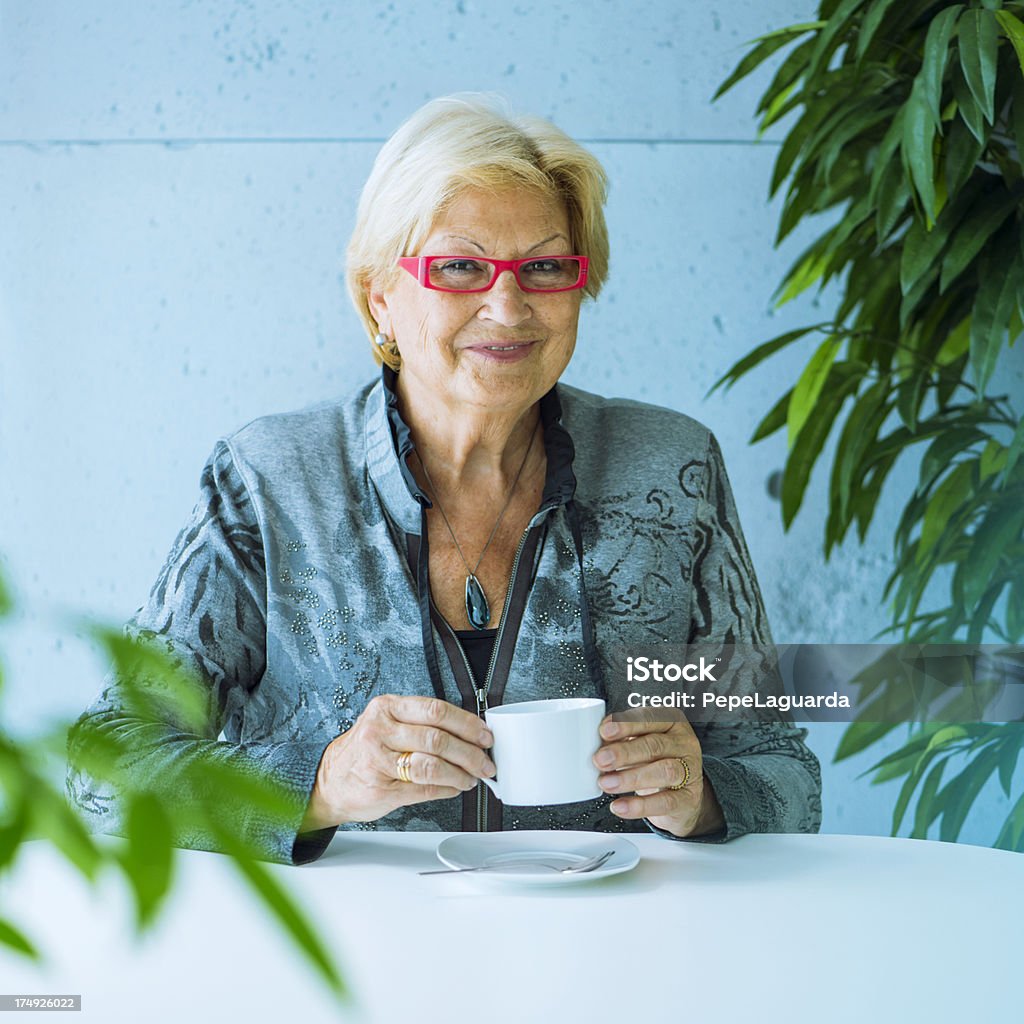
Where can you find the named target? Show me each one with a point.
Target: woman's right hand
(358, 777)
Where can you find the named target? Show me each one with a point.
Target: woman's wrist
(710, 818)
(319, 813)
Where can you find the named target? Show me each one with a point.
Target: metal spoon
(590, 864)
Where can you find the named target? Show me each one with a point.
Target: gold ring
(404, 761)
(686, 774)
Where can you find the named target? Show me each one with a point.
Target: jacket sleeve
(764, 775)
(208, 609)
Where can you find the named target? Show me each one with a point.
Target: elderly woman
(362, 579)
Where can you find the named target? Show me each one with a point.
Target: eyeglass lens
(539, 275)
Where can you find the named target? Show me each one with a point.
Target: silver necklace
(478, 611)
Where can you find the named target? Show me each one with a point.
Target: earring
(388, 350)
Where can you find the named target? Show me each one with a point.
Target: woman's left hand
(646, 758)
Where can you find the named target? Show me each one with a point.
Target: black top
(478, 645)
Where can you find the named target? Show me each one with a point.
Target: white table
(766, 929)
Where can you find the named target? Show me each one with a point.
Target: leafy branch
(33, 805)
(907, 127)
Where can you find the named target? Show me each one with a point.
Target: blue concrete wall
(177, 185)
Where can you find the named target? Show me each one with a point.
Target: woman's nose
(506, 302)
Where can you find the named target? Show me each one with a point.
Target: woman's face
(450, 343)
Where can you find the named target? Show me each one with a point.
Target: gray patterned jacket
(293, 591)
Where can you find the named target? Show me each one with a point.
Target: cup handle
(492, 786)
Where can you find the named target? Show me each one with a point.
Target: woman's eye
(459, 267)
(542, 267)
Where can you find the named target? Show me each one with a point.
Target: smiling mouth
(504, 348)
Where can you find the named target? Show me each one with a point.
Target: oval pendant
(477, 609)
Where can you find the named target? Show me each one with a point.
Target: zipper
(481, 693)
(481, 707)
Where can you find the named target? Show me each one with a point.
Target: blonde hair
(468, 140)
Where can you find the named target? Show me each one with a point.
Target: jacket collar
(387, 468)
(389, 445)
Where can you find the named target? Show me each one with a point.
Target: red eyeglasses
(478, 274)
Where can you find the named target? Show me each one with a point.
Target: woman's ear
(378, 303)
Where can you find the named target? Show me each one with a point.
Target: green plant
(907, 127)
(33, 805)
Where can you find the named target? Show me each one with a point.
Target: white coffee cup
(544, 749)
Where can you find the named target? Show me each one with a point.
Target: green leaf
(910, 396)
(791, 31)
(936, 51)
(908, 787)
(1013, 29)
(841, 123)
(1015, 611)
(811, 439)
(993, 308)
(758, 355)
(928, 808)
(804, 197)
(1013, 452)
(12, 833)
(859, 736)
(868, 28)
(887, 150)
(6, 600)
(1011, 836)
(863, 504)
(962, 791)
(784, 82)
(58, 823)
(911, 750)
(794, 143)
(922, 247)
(892, 198)
(1008, 760)
(993, 459)
(970, 112)
(17, 940)
(829, 35)
(287, 913)
(774, 420)
(989, 214)
(940, 452)
(1001, 527)
(948, 497)
(945, 736)
(979, 43)
(148, 860)
(258, 791)
(957, 342)
(860, 431)
(898, 768)
(963, 151)
(809, 386)
(919, 253)
(1017, 114)
(154, 683)
(913, 299)
(809, 270)
(785, 102)
(849, 133)
(918, 140)
(767, 45)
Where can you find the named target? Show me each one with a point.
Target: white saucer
(521, 856)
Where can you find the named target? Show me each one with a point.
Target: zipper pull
(481, 701)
